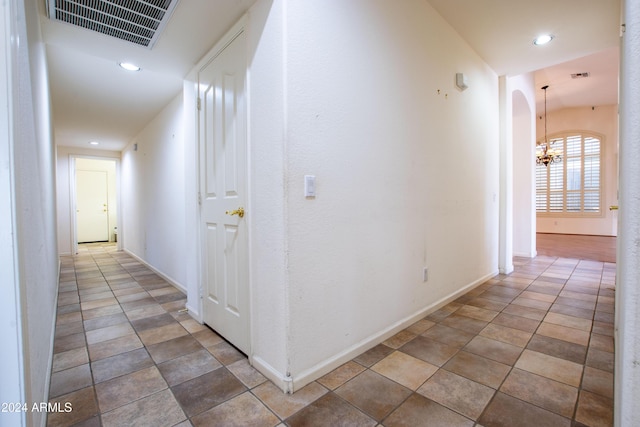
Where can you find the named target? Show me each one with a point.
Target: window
(571, 187)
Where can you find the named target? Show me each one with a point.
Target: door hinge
(199, 199)
(199, 103)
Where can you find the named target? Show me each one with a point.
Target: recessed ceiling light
(542, 39)
(128, 66)
(94, 142)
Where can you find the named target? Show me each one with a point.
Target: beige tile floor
(534, 348)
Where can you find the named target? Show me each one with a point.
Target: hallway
(534, 348)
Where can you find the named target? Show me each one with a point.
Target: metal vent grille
(135, 21)
(579, 75)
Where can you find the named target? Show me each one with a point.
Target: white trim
(339, 359)
(282, 382)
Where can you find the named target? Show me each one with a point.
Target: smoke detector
(135, 21)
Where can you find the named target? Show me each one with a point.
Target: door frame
(73, 202)
(226, 40)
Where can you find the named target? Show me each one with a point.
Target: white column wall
(627, 372)
(524, 192)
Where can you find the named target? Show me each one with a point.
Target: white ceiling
(94, 99)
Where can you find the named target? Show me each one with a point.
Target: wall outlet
(425, 274)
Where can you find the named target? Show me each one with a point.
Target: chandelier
(545, 154)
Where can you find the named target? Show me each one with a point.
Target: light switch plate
(309, 186)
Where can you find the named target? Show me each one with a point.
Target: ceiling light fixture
(544, 153)
(94, 142)
(542, 39)
(128, 66)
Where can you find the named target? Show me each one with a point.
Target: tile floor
(534, 348)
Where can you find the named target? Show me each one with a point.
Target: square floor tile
(72, 379)
(598, 382)
(121, 364)
(418, 411)
(70, 359)
(599, 359)
(458, 393)
(550, 367)
(206, 391)
(285, 405)
(505, 410)
(478, 368)
(157, 409)
(451, 336)
(543, 392)
(246, 373)
(568, 321)
(594, 410)
(429, 350)
(404, 369)
(112, 347)
(171, 349)
(563, 333)
(495, 350)
(400, 339)
(162, 333)
(242, 410)
(189, 366)
(374, 394)
(83, 407)
(558, 348)
(507, 335)
(332, 411)
(128, 388)
(373, 355)
(108, 333)
(341, 375)
(465, 323)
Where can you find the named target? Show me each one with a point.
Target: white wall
(270, 319)
(524, 210)
(602, 120)
(28, 189)
(405, 174)
(153, 223)
(627, 326)
(63, 192)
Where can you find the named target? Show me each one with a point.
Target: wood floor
(594, 248)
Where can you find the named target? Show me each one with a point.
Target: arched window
(571, 187)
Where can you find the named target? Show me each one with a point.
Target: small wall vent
(135, 21)
(579, 75)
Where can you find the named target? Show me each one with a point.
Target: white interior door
(92, 209)
(223, 190)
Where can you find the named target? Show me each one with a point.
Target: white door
(223, 193)
(92, 210)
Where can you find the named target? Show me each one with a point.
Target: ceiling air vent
(135, 21)
(579, 75)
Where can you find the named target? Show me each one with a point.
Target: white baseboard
(334, 362)
(283, 382)
(158, 272)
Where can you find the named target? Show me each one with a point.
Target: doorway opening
(95, 200)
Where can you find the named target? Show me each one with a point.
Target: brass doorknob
(239, 212)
